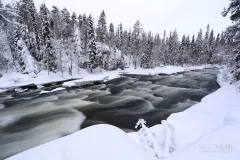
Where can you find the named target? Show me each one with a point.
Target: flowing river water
(29, 119)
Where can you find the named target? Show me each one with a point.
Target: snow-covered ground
(14, 79)
(209, 130)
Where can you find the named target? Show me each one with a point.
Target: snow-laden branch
(9, 21)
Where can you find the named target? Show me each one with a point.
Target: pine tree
(28, 12)
(84, 33)
(76, 43)
(26, 61)
(125, 42)
(129, 46)
(102, 28)
(198, 48)
(223, 38)
(136, 37)
(111, 37)
(173, 46)
(217, 43)
(49, 54)
(147, 59)
(80, 22)
(207, 34)
(211, 46)
(67, 31)
(192, 51)
(57, 21)
(157, 44)
(121, 36)
(203, 59)
(92, 50)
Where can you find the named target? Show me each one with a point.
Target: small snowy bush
(159, 148)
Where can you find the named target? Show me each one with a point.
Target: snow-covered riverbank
(208, 130)
(14, 79)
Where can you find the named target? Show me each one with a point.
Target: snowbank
(14, 79)
(114, 74)
(101, 142)
(209, 130)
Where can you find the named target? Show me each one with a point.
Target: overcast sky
(187, 16)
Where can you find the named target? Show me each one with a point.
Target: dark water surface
(29, 119)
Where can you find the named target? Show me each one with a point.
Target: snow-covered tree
(173, 47)
(136, 37)
(6, 58)
(198, 48)
(76, 44)
(29, 15)
(57, 22)
(26, 61)
(49, 55)
(211, 47)
(92, 50)
(234, 11)
(101, 29)
(84, 35)
(147, 59)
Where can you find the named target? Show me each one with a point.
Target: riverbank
(14, 79)
(208, 130)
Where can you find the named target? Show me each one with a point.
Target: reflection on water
(29, 119)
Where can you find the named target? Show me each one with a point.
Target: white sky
(187, 16)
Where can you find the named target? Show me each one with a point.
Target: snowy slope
(209, 130)
(101, 142)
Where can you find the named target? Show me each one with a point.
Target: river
(28, 118)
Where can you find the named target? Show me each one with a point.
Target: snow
(14, 79)
(52, 91)
(204, 117)
(114, 74)
(2, 90)
(101, 142)
(160, 145)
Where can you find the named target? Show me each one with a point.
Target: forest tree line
(56, 40)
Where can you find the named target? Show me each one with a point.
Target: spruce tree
(28, 12)
(211, 46)
(92, 50)
(136, 37)
(57, 21)
(198, 48)
(102, 28)
(26, 61)
(147, 59)
(84, 33)
(49, 54)
(121, 36)
(217, 43)
(111, 36)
